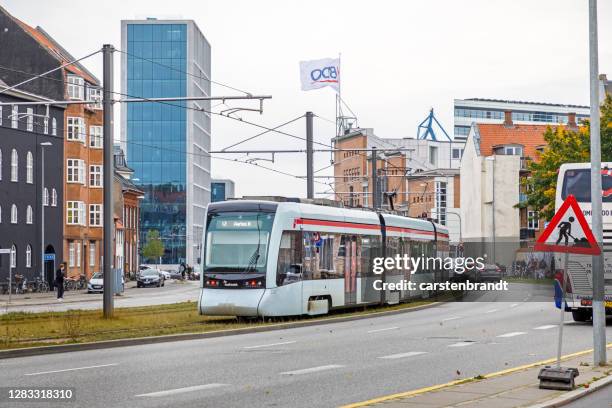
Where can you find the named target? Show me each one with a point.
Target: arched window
(0, 214)
(0, 160)
(14, 214)
(46, 197)
(29, 215)
(29, 168)
(28, 256)
(54, 127)
(14, 165)
(13, 256)
(54, 198)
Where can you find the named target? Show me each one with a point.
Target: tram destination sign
(238, 223)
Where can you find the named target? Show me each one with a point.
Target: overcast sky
(399, 59)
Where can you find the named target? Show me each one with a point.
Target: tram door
(350, 270)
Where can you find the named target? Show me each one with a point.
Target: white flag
(317, 74)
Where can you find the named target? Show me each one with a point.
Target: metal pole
(599, 312)
(309, 157)
(107, 57)
(10, 276)
(374, 179)
(42, 214)
(562, 308)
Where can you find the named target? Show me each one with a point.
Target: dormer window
(76, 87)
(509, 150)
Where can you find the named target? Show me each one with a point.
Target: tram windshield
(237, 242)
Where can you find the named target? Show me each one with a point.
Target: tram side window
(393, 247)
(289, 265)
(370, 249)
(323, 255)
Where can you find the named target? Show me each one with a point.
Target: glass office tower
(167, 143)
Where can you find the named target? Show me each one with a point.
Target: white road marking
(514, 305)
(312, 369)
(269, 345)
(451, 318)
(512, 334)
(72, 369)
(402, 355)
(182, 390)
(462, 344)
(545, 327)
(385, 329)
(492, 311)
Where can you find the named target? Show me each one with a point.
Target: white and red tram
(268, 258)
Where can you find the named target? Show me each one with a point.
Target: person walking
(59, 281)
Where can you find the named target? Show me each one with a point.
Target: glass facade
(217, 192)
(156, 133)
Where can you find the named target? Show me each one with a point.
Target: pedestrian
(59, 281)
(182, 269)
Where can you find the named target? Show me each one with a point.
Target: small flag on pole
(316, 74)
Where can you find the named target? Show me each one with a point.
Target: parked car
(490, 272)
(96, 283)
(175, 274)
(150, 277)
(166, 274)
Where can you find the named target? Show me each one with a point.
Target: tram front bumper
(230, 302)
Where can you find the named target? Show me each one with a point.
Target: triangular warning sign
(568, 231)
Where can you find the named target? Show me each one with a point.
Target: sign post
(563, 235)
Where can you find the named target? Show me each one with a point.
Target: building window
(533, 223)
(95, 176)
(29, 168)
(95, 137)
(54, 127)
(510, 150)
(29, 215)
(76, 87)
(75, 213)
(0, 164)
(78, 253)
(95, 215)
(71, 253)
(95, 94)
(75, 171)
(14, 166)
(46, 197)
(46, 125)
(75, 129)
(92, 253)
(441, 201)
(54, 198)
(0, 115)
(13, 214)
(13, 260)
(0, 214)
(28, 256)
(30, 119)
(433, 155)
(15, 117)
(457, 153)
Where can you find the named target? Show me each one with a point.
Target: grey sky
(399, 58)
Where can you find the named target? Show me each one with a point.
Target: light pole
(42, 209)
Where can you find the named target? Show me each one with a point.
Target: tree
(563, 146)
(154, 248)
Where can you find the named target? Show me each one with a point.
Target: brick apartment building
(83, 159)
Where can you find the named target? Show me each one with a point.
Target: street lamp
(42, 211)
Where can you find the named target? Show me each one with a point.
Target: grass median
(19, 330)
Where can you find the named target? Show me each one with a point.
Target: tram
(288, 257)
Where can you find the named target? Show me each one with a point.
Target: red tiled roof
(529, 136)
(55, 51)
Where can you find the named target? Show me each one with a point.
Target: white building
(221, 189)
(468, 111)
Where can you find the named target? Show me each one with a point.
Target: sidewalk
(517, 387)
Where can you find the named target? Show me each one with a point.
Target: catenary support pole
(599, 312)
(309, 157)
(374, 188)
(107, 58)
(42, 212)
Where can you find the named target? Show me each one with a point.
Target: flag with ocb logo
(320, 73)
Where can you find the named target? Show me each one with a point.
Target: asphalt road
(599, 399)
(317, 366)
(172, 292)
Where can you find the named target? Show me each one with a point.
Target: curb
(64, 348)
(574, 395)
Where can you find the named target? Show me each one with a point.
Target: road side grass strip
(21, 330)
